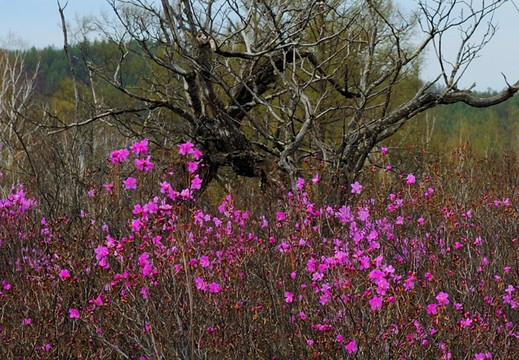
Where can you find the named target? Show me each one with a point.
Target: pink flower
(376, 275)
(316, 179)
(351, 347)
(119, 156)
(383, 286)
(309, 342)
(109, 187)
(432, 309)
(356, 188)
(144, 259)
(147, 270)
(375, 303)
(98, 301)
(442, 298)
(186, 148)
(192, 166)
(289, 297)
(140, 147)
(64, 274)
(73, 313)
(465, 322)
(383, 150)
(204, 261)
(214, 287)
(280, 215)
(196, 183)
(483, 356)
(199, 283)
(197, 154)
(130, 183)
(300, 183)
(26, 321)
(186, 194)
(144, 164)
(302, 315)
(101, 252)
(410, 180)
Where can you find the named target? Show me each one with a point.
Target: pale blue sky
(37, 23)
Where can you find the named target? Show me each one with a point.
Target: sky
(37, 23)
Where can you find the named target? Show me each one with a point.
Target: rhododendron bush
(408, 267)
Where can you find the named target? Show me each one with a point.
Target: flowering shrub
(410, 269)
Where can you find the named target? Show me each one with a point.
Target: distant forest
(488, 131)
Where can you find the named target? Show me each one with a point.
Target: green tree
(262, 85)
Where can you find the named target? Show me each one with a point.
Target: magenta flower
(289, 297)
(356, 188)
(140, 147)
(383, 150)
(432, 309)
(375, 303)
(410, 180)
(144, 164)
(73, 313)
(144, 259)
(316, 179)
(130, 183)
(214, 287)
(442, 298)
(351, 347)
(101, 252)
(199, 283)
(483, 356)
(119, 156)
(109, 187)
(376, 275)
(186, 148)
(26, 321)
(197, 154)
(192, 166)
(204, 261)
(64, 274)
(98, 301)
(300, 183)
(196, 183)
(186, 194)
(382, 286)
(147, 270)
(280, 215)
(465, 322)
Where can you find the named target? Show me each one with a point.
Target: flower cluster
(415, 272)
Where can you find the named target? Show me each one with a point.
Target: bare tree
(16, 100)
(260, 85)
